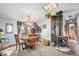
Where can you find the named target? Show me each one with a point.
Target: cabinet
(56, 26)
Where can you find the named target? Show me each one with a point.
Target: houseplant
(45, 42)
(48, 14)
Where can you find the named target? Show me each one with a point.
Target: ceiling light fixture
(29, 23)
(50, 6)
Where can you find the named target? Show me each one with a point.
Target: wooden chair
(19, 42)
(36, 38)
(32, 41)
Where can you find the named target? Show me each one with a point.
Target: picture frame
(9, 28)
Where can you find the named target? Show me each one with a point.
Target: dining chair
(19, 42)
(36, 38)
(32, 41)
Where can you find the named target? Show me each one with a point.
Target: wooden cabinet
(56, 26)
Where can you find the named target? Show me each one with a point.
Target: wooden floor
(40, 50)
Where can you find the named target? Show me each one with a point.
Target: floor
(40, 50)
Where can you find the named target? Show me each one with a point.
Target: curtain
(25, 27)
(37, 28)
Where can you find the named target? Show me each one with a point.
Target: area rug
(40, 50)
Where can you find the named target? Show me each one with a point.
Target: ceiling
(20, 11)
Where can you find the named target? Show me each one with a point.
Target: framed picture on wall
(9, 28)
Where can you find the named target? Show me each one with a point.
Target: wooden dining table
(24, 38)
(27, 38)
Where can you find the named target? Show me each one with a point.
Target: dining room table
(26, 38)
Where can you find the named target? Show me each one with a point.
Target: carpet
(40, 50)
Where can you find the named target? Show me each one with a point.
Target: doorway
(71, 25)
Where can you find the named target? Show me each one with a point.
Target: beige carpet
(40, 50)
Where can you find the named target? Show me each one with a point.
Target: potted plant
(45, 42)
(48, 15)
